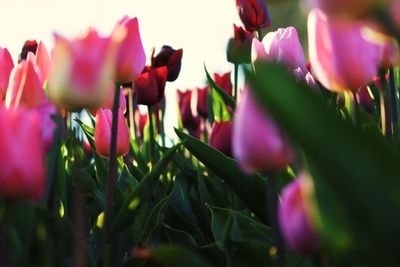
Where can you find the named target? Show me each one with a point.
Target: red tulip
(82, 70)
(239, 47)
(29, 46)
(189, 121)
(150, 85)
(253, 14)
(171, 58)
(224, 81)
(102, 133)
(25, 88)
(140, 120)
(202, 102)
(295, 215)
(131, 57)
(258, 144)
(221, 137)
(22, 158)
(6, 66)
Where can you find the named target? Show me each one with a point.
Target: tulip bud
(282, 46)
(82, 70)
(25, 87)
(170, 58)
(224, 81)
(221, 137)
(131, 57)
(239, 47)
(6, 66)
(102, 133)
(189, 121)
(29, 46)
(150, 85)
(334, 48)
(202, 102)
(253, 14)
(258, 144)
(295, 215)
(21, 177)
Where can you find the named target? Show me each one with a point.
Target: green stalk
(152, 143)
(393, 103)
(355, 109)
(235, 93)
(386, 107)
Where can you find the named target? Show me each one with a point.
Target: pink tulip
(43, 60)
(25, 87)
(131, 57)
(82, 70)
(6, 66)
(47, 124)
(295, 215)
(258, 144)
(344, 54)
(102, 133)
(109, 102)
(22, 158)
(282, 46)
(221, 137)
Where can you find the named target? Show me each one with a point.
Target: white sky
(200, 27)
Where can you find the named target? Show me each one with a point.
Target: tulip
(253, 14)
(202, 102)
(258, 144)
(355, 8)
(170, 58)
(22, 159)
(43, 60)
(82, 70)
(102, 133)
(221, 137)
(25, 87)
(131, 57)
(150, 85)
(140, 120)
(47, 123)
(189, 121)
(239, 47)
(282, 46)
(29, 46)
(224, 81)
(295, 215)
(335, 46)
(6, 66)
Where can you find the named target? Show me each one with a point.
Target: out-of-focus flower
(21, 178)
(189, 121)
(354, 8)
(42, 60)
(171, 58)
(238, 50)
(82, 70)
(221, 137)
(150, 85)
(366, 99)
(282, 46)
(109, 102)
(6, 66)
(334, 48)
(131, 57)
(224, 81)
(295, 215)
(253, 14)
(25, 87)
(29, 46)
(257, 142)
(102, 133)
(47, 125)
(202, 101)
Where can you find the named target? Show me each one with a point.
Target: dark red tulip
(150, 85)
(253, 14)
(189, 121)
(140, 120)
(221, 137)
(202, 101)
(170, 58)
(239, 47)
(29, 46)
(224, 81)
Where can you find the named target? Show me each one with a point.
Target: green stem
(235, 93)
(151, 125)
(259, 35)
(132, 124)
(393, 103)
(385, 106)
(356, 109)
(112, 170)
(162, 128)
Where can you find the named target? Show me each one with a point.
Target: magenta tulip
(258, 144)
(131, 57)
(295, 215)
(22, 158)
(6, 66)
(221, 137)
(47, 124)
(102, 133)
(253, 14)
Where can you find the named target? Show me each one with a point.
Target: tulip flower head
(21, 178)
(171, 58)
(102, 133)
(253, 14)
(221, 137)
(239, 47)
(29, 46)
(257, 142)
(6, 66)
(150, 85)
(189, 121)
(295, 215)
(224, 81)
(202, 101)
(131, 57)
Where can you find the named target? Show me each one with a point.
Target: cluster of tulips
(352, 61)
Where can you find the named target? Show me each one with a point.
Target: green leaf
(140, 194)
(220, 110)
(251, 189)
(224, 95)
(356, 167)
